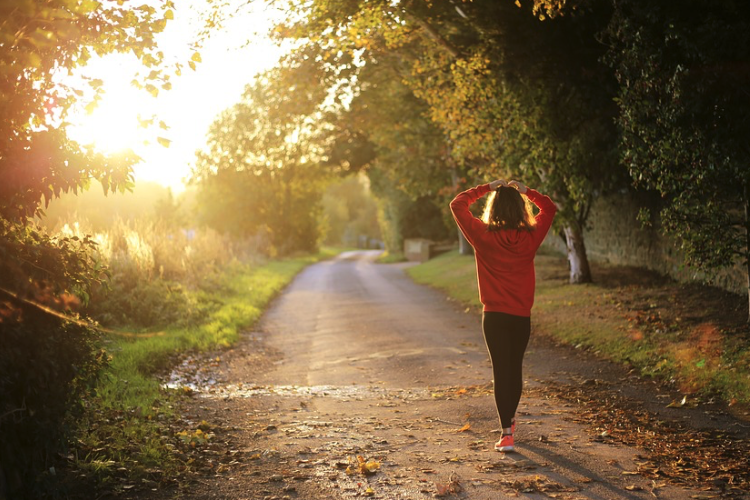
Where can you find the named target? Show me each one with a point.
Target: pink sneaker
(505, 443)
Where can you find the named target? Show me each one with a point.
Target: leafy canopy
(261, 174)
(42, 43)
(683, 76)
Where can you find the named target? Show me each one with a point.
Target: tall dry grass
(158, 271)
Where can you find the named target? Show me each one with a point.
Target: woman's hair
(507, 209)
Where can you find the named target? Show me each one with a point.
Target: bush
(144, 304)
(157, 272)
(46, 364)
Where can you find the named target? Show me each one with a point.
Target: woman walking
(505, 242)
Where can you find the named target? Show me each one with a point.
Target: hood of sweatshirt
(512, 240)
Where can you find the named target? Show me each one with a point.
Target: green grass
(451, 272)
(391, 257)
(129, 380)
(128, 422)
(600, 318)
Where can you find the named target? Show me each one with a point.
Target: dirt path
(355, 360)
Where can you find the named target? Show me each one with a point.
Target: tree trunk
(464, 248)
(579, 262)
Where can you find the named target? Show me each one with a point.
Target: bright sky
(189, 108)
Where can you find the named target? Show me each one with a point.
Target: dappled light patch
(708, 338)
(688, 335)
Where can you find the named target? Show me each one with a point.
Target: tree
(261, 173)
(368, 120)
(529, 99)
(350, 211)
(511, 95)
(683, 74)
(410, 169)
(39, 42)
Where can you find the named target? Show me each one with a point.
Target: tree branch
(11, 412)
(79, 322)
(432, 32)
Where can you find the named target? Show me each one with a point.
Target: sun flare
(114, 125)
(181, 116)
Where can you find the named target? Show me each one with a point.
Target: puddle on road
(202, 378)
(213, 390)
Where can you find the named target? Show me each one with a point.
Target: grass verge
(391, 257)
(130, 438)
(694, 337)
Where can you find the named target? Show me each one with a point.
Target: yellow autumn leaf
(163, 141)
(151, 89)
(90, 107)
(34, 60)
(196, 57)
(464, 428)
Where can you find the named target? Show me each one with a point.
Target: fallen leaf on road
(465, 428)
(362, 466)
(452, 487)
(675, 404)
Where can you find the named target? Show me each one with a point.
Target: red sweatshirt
(505, 258)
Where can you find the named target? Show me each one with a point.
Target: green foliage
(127, 423)
(610, 322)
(683, 100)
(46, 366)
(49, 360)
(383, 129)
(410, 168)
(401, 216)
(147, 304)
(37, 265)
(350, 211)
(154, 269)
(262, 174)
(41, 41)
(505, 94)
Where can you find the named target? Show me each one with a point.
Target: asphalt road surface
(355, 360)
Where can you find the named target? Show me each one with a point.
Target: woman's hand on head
(496, 184)
(518, 185)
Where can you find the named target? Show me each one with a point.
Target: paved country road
(355, 360)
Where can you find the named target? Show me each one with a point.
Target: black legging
(506, 336)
